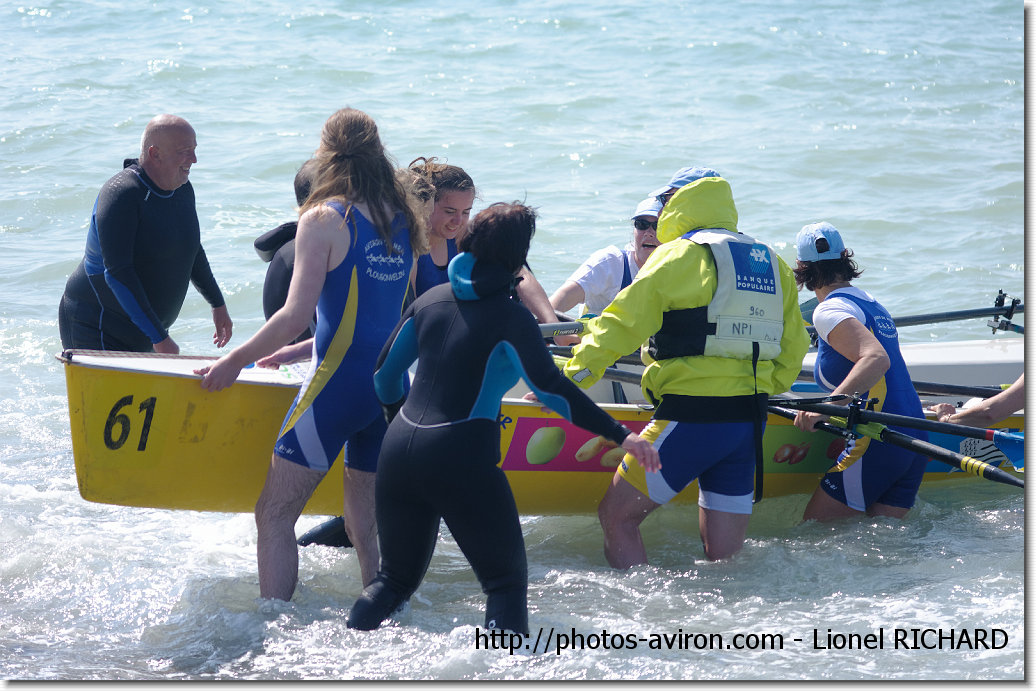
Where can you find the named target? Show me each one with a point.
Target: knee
(614, 515)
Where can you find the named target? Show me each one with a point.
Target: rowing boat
(145, 434)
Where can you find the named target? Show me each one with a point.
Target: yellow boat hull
(145, 434)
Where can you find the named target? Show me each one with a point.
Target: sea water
(901, 123)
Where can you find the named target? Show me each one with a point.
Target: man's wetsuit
(278, 248)
(142, 249)
(440, 454)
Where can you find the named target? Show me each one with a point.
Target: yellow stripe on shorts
(631, 471)
(336, 350)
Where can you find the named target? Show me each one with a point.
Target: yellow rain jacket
(681, 274)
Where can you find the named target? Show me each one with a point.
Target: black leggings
(448, 473)
(80, 326)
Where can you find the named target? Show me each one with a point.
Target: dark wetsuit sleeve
(117, 229)
(398, 354)
(555, 390)
(204, 281)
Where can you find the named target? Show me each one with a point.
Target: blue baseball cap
(818, 241)
(648, 207)
(686, 176)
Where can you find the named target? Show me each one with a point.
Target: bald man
(143, 248)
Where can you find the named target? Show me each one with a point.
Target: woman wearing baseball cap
(858, 354)
(609, 270)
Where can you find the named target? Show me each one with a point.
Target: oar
(1011, 444)
(983, 392)
(964, 463)
(954, 315)
(552, 329)
(883, 433)
(933, 317)
(566, 352)
(807, 309)
(613, 374)
(937, 388)
(821, 425)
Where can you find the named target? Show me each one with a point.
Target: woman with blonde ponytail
(354, 253)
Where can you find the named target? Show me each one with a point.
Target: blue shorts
(870, 472)
(334, 410)
(720, 455)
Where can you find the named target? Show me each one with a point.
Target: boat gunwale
(67, 357)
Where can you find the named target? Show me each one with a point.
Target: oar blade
(1013, 447)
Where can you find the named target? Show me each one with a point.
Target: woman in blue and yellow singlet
(858, 353)
(454, 194)
(354, 253)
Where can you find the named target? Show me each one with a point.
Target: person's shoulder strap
(627, 275)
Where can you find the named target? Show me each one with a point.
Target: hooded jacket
(680, 275)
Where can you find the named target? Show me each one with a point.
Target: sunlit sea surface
(901, 123)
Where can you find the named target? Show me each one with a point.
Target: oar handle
(826, 427)
(551, 329)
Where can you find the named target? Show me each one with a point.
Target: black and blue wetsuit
(439, 457)
(143, 248)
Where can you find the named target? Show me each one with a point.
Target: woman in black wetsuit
(439, 457)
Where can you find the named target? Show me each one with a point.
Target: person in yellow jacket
(717, 314)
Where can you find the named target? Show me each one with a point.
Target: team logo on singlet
(382, 266)
(885, 326)
(753, 268)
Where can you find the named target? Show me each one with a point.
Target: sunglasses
(665, 196)
(644, 224)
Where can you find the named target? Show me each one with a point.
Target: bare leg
(360, 524)
(722, 533)
(620, 512)
(880, 510)
(823, 507)
(288, 488)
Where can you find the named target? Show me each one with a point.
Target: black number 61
(116, 418)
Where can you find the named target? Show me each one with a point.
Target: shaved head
(159, 128)
(167, 150)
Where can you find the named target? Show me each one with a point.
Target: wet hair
(416, 184)
(444, 177)
(352, 165)
(501, 233)
(814, 275)
(304, 181)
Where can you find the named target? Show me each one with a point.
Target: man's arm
(117, 224)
